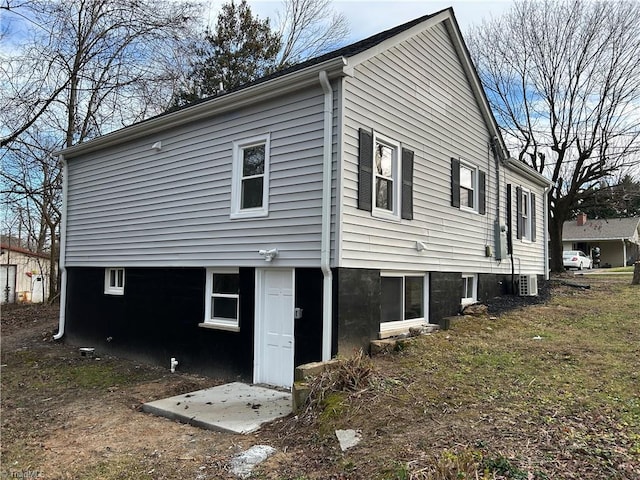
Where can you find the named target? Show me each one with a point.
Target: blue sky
(368, 17)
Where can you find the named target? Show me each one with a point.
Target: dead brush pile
(349, 378)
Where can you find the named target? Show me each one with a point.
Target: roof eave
(528, 172)
(474, 79)
(448, 19)
(598, 239)
(233, 100)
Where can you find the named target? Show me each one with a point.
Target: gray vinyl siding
(527, 255)
(417, 93)
(132, 206)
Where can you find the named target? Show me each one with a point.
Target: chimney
(582, 219)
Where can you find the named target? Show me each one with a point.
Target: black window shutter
(455, 182)
(365, 170)
(407, 184)
(482, 195)
(509, 219)
(518, 212)
(533, 217)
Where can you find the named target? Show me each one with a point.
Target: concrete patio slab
(233, 407)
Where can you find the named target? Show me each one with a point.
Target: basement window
(222, 303)
(402, 301)
(469, 288)
(114, 281)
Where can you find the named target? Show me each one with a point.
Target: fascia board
(447, 17)
(528, 172)
(231, 101)
(357, 59)
(474, 80)
(596, 239)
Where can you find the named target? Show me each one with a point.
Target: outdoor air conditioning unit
(528, 285)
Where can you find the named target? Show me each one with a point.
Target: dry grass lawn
(548, 391)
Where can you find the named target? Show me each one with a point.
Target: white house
(617, 238)
(350, 197)
(24, 275)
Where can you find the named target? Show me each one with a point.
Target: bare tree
(97, 62)
(563, 79)
(309, 28)
(75, 70)
(32, 178)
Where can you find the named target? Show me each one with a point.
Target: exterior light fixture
(269, 254)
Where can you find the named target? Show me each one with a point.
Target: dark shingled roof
(347, 51)
(601, 229)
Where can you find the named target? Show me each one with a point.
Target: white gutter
(62, 247)
(206, 109)
(325, 240)
(596, 239)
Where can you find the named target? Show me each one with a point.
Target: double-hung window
(468, 184)
(525, 218)
(402, 300)
(250, 183)
(386, 176)
(526, 214)
(114, 281)
(468, 190)
(222, 302)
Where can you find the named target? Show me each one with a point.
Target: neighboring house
(617, 238)
(345, 199)
(24, 275)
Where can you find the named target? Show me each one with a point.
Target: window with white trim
(469, 288)
(386, 176)
(525, 214)
(402, 300)
(468, 187)
(114, 281)
(250, 183)
(222, 302)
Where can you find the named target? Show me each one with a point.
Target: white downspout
(545, 217)
(62, 247)
(325, 240)
(624, 253)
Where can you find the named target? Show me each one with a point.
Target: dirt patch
(25, 326)
(67, 417)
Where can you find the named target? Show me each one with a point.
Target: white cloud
(368, 17)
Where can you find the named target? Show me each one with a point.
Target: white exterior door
(274, 327)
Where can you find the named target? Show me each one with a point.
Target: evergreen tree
(241, 49)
